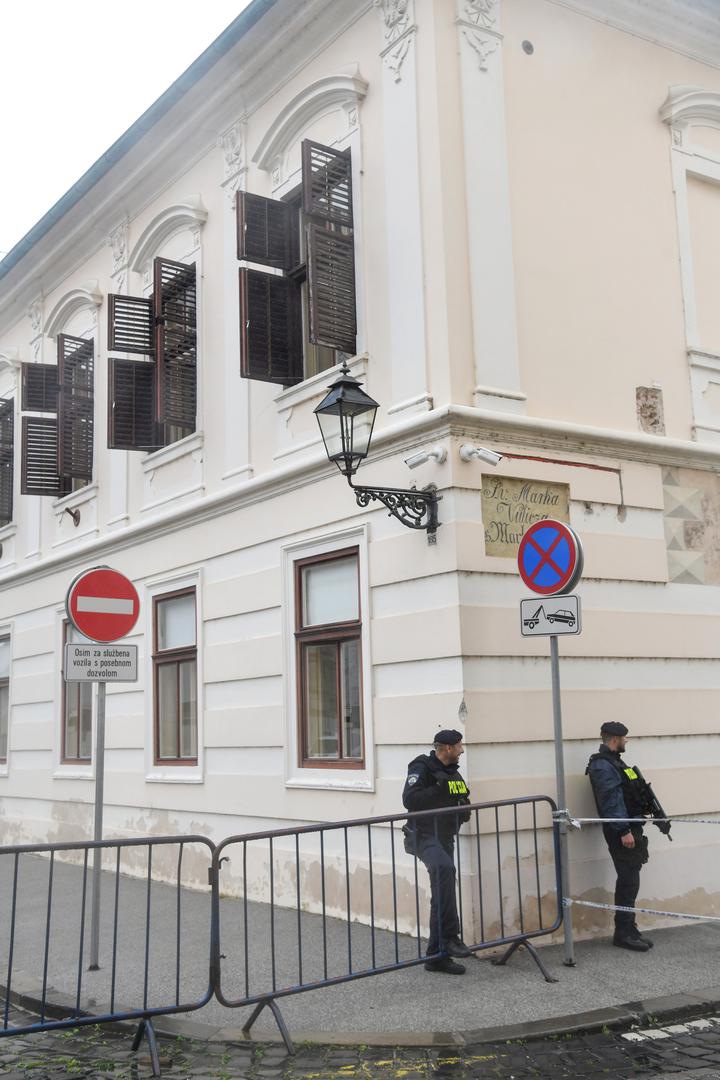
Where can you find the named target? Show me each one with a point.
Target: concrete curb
(655, 1011)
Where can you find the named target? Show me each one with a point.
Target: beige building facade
(530, 193)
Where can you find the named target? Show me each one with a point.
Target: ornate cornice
(399, 28)
(80, 299)
(478, 23)
(688, 105)
(345, 90)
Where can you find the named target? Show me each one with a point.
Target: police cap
(613, 727)
(448, 737)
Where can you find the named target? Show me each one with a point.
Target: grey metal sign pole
(98, 831)
(569, 960)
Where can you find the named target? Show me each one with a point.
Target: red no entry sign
(550, 557)
(102, 604)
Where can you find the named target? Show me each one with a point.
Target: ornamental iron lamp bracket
(346, 417)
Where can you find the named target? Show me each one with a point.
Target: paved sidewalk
(409, 1006)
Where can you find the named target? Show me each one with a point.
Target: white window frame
(6, 630)
(158, 773)
(296, 775)
(68, 770)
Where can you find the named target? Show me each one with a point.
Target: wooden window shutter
(39, 471)
(175, 302)
(331, 288)
(327, 202)
(266, 231)
(39, 388)
(131, 413)
(130, 324)
(75, 407)
(7, 460)
(270, 328)
(327, 184)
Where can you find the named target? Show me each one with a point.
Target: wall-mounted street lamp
(346, 416)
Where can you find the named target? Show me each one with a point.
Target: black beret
(448, 737)
(613, 727)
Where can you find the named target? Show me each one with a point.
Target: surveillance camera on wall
(420, 457)
(479, 453)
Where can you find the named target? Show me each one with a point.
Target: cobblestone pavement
(679, 1051)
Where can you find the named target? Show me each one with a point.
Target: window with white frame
(77, 709)
(328, 638)
(175, 678)
(4, 696)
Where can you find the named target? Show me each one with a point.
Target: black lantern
(346, 416)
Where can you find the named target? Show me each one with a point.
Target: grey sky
(75, 74)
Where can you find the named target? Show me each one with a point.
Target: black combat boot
(446, 964)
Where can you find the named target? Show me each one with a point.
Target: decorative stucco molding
(35, 315)
(399, 28)
(478, 24)
(343, 91)
(9, 360)
(86, 296)
(119, 242)
(190, 214)
(688, 105)
(232, 144)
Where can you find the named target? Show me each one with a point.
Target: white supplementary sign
(101, 663)
(105, 605)
(547, 615)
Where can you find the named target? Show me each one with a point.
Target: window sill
(4, 771)
(182, 448)
(319, 779)
(175, 774)
(8, 531)
(74, 772)
(75, 498)
(317, 384)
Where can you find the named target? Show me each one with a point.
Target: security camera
(420, 457)
(479, 453)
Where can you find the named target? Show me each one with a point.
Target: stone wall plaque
(510, 505)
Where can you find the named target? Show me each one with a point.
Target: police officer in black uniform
(616, 789)
(433, 782)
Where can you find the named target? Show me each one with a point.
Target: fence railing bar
(499, 871)
(272, 914)
(299, 909)
(458, 845)
(517, 868)
(47, 935)
(82, 932)
(480, 876)
(8, 982)
(115, 930)
(372, 895)
(147, 927)
(347, 891)
(394, 893)
(537, 865)
(177, 925)
(417, 889)
(245, 923)
(324, 908)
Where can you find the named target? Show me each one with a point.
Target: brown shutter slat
(39, 471)
(39, 388)
(327, 183)
(176, 342)
(130, 324)
(131, 391)
(331, 288)
(7, 459)
(270, 328)
(75, 407)
(266, 229)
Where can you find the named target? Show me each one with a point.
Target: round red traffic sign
(102, 604)
(550, 557)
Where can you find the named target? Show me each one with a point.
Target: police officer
(433, 782)
(616, 789)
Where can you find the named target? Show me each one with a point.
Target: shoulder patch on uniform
(412, 779)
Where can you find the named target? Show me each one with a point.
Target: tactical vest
(631, 787)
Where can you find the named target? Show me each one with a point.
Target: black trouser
(628, 862)
(437, 853)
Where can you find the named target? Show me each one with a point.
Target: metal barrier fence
(295, 909)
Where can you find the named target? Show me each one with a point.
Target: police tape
(569, 901)
(578, 822)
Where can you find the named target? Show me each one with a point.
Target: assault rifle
(652, 805)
